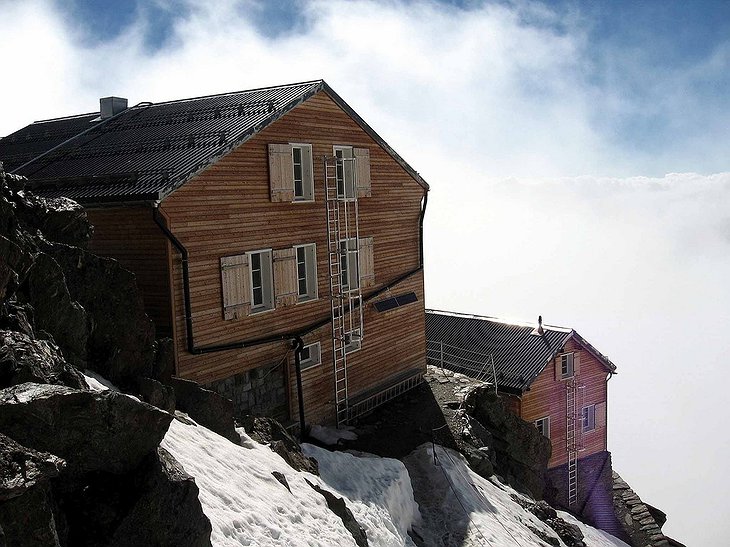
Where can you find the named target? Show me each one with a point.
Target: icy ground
(247, 505)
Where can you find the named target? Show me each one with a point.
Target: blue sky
(577, 154)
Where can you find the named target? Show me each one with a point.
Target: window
(345, 172)
(306, 272)
(353, 341)
(543, 426)
(311, 355)
(291, 176)
(589, 418)
(262, 293)
(303, 172)
(395, 302)
(566, 365)
(349, 273)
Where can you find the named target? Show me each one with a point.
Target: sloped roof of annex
(148, 150)
(519, 354)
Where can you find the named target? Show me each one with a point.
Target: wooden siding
(227, 210)
(546, 397)
(130, 235)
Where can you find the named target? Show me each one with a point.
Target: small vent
(111, 106)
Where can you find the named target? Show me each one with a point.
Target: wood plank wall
(226, 210)
(547, 398)
(130, 235)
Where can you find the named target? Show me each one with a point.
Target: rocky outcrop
(339, 507)
(93, 431)
(25, 359)
(205, 407)
(26, 506)
(520, 452)
(637, 519)
(270, 432)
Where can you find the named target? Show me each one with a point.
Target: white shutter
(285, 277)
(236, 286)
(281, 172)
(367, 263)
(362, 170)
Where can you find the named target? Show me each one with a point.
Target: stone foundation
(258, 392)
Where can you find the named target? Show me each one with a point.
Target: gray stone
(92, 431)
(206, 407)
(339, 508)
(270, 432)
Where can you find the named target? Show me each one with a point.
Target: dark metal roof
(149, 150)
(519, 355)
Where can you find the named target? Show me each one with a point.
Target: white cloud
(638, 265)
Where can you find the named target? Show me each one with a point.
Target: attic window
(395, 302)
(566, 365)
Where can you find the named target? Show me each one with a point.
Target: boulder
(26, 507)
(16, 317)
(56, 312)
(22, 468)
(92, 431)
(121, 337)
(156, 394)
(59, 219)
(24, 359)
(206, 407)
(168, 511)
(521, 453)
(270, 432)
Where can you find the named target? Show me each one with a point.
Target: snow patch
(332, 436)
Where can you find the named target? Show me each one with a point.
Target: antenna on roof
(538, 331)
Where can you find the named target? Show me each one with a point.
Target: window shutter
(362, 168)
(576, 363)
(281, 172)
(285, 277)
(307, 172)
(236, 286)
(557, 368)
(600, 415)
(367, 263)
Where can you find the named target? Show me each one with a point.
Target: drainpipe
(298, 345)
(420, 228)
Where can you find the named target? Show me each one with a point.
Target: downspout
(298, 344)
(420, 228)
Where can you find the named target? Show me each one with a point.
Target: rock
(206, 407)
(120, 336)
(163, 366)
(270, 432)
(339, 508)
(156, 394)
(28, 520)
(59, 219)
(24, 359)
(569, 533)
(168, 511)
(282, 479)
(521, 453)
(26, 508)
(659, 516)
(16, 317)
(543, 511)
(92, 431)
(22, 468)
(56, 312)
(15, 260)
(479, 461)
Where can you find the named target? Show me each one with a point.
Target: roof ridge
(59, 118)
(527, 324)
(229, 93)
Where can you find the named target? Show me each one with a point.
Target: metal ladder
(571, 439)
(345, 302)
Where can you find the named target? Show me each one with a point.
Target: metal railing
(474, 364)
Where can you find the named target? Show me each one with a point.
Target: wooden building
(266, 228)
(550, 376)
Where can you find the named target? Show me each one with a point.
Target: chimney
(538, 331)
(111, 106)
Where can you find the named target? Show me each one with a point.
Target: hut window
(350, 275)
(589, 418)
(306, 272)
(345, 172)
(543, 426)
(262, 283)
(311, 355)
(303, 172)
(566, 365)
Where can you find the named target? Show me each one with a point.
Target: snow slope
(247, 505)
